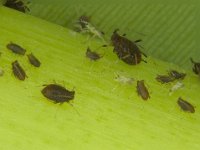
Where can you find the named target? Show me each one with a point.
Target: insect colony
(126, 50)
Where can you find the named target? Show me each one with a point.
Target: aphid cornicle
(57, 93)
(92, 55)
(17, 5)
(185, 106)
(142, 90)
(16, 48)
(164, 78)
(33, 60)
(18, 71)
(176, 74)
(126, 50)
(196, 67)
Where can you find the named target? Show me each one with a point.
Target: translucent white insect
(175, 87)
(86, 27)
(124, 79)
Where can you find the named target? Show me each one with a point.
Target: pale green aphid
(89, 28)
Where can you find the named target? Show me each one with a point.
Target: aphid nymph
(33, 60)
(124, 79)
(16, 48)
(175, 87)
(164, 78)
(57, 93)
(17, 5)
(176, 74)
(92, 55)
(126, 49)
(18, 71)
(185, 106)
(85, 26)
(196, 67)
(83, 21)
(142, 90)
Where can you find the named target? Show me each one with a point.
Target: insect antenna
(75, 109)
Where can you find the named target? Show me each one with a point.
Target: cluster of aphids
(54, 92)
(17, 5)
(18, 71)
(129, 52)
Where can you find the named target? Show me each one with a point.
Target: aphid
(57, 93)
(196, 67)
(16, 48)
(176, 74)
(142, 90)
(164, 78)
(86, 27)
(185, 106)
(18, 71)
(17, 5)
(175, 87)
(33, 60)
(83, 20)
(126, 50)
(124, 79)
(92, 55)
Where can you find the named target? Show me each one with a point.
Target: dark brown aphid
(18, 71)
(83, 21)
(126, 50)
(16, 48)
(92, 55)
(57, 93)
(17, 5)
(164, 78)
(33, 60)
(185, 106)
(142, 90)
(196, 67)
(177, 75)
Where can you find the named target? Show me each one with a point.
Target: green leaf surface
(112, 115)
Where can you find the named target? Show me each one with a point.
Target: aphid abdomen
(18, 71)
(125, 49)
(185, 106)
(16, 49)
(92, 55)
(57, 93)
(164, 78)
(33, 60)
(142, 90)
